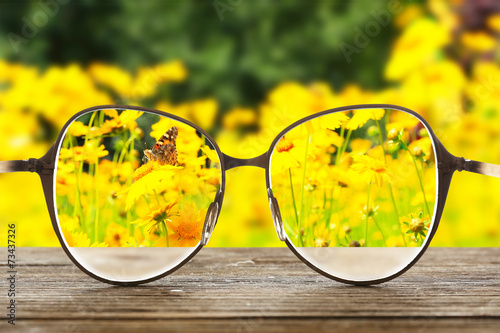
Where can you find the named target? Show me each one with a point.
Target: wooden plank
(259, 289)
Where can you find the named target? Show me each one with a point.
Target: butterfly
(165, 150)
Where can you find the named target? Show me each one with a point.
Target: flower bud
(423, 132)
(354, 243)
(417, 224)
(392, 134)
(320, 242)
(417, 151)
(372, 131)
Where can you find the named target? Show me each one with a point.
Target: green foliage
(235, 50)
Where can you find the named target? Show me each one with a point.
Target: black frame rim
(443, 182)
(49, 184)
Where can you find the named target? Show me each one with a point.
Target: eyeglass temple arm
(478, 167)
(31, 165)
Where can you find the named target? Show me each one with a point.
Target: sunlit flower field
(450, 78)
(357, 178)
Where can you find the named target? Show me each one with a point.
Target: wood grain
(256, 290)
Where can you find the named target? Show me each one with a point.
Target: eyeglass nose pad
(275, 212)
(210, 220)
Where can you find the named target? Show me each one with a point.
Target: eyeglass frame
(446, 165)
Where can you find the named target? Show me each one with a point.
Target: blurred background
(244, 70)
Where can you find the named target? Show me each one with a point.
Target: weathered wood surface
(257, 290)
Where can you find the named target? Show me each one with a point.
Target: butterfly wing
(165, 149)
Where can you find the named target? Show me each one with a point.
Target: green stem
(344, 146)
(164, 224)
(302, 190)
(295, 207)
(383, 236)
(367, 213)
(96, 200)
(339, 150)
(419, 178)
(340, 218)
(390, 186)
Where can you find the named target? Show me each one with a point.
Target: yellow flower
(161, 214)
(416, 225)
(148, 78)
(117, 235)
(204, 112)
(479, 41)
(360, 117)
(288, 154)
(145, 169)
(77, 128)
(187, 227)
(373, 170)
(320, 242)
(360, 146)
(211, 154)
(89, 152)
(80, 239)
(418, 43)
(114, 77)
(69, 223)
(400, 121)
(149, 180)
(239, 117)
(173, 71)
(494, 22)
(421, 146)
(284, 145)
(339, 174)
(124, 120)
(329, 121)
(408, 15)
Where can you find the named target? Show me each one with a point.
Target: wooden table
(257, 290)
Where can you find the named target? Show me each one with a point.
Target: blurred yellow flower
(211, 154)
(360, 146)
(421, 146)
(174, 71)
(112, 76)
(479, 41)
(417, 45)
(69, 223)
(494, 22)
(118, 236)
(204, 112)
(80, 239)
(408, 15)
(239, 117)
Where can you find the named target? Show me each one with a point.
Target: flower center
(188, 230)
(417, 225)
(284, 145)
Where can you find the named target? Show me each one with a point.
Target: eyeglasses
(355, 192)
